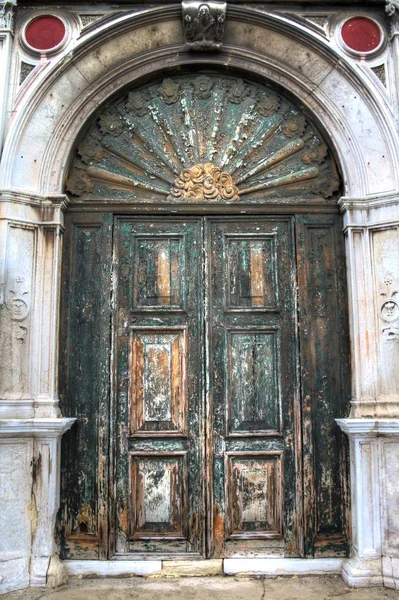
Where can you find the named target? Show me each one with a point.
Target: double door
(206, 454)
(205, 361)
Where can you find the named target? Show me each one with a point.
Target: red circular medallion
(45, 33)
(361, 34)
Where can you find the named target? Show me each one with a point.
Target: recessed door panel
(254, 503)
(158, 484)
(251, 271)
(158, 382)
(158, 272)
(253, 381)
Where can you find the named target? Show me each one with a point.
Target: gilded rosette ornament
(204, 183)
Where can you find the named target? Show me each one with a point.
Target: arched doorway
(204, 343)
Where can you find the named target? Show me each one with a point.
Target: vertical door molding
(325, 374)
(85, 349)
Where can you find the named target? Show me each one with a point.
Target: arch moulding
(267, 46)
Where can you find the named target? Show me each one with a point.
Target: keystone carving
(203, 25)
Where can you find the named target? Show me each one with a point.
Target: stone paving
(204, 588)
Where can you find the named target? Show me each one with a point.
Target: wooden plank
(324, 381)
(84, 384)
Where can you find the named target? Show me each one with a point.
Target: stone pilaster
(30, 424)
(372, 248)
(6, 33)
(374, 452)
(372, 238)
(30, 250)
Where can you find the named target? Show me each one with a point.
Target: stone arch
(139, 45)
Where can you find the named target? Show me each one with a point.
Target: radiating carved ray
(170, 119)
(302, 175)
(233, 127)
(144, 130)
(277, 157)
(266, 132)
(191, 133)
(214, 119)
(129, 163)
(124, 182)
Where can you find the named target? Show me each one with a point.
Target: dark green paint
(84, 384)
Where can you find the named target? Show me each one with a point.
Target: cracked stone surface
(204, 588)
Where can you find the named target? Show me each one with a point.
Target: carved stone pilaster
(29, 482)
(374, 458)
(203, 24)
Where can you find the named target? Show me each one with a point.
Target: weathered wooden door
(224, 341)
(205, 386)
(206, 364)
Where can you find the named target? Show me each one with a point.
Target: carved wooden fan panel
(202, 139)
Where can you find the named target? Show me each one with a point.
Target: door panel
(85, 346)
(159, 407)
(325, 380)
(254, 418)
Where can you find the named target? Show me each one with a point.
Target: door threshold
(268, 567)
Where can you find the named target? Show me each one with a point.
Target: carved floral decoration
(169, 91)
(389, 309)
(203, 86)
(204, 183)
(138, 102)
(202, 138)
(111, 124)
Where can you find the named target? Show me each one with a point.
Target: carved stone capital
(7, 15)
(203, 24)
(391, 7)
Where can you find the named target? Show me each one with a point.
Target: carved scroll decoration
(202, 138)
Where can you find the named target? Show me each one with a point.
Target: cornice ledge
(37, 428)
(33, 199)
(369, 427)
(347, 204)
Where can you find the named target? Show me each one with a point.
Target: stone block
(191, 568)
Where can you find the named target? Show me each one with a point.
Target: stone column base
(374, 457)
(29, 500)
(360, 572)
